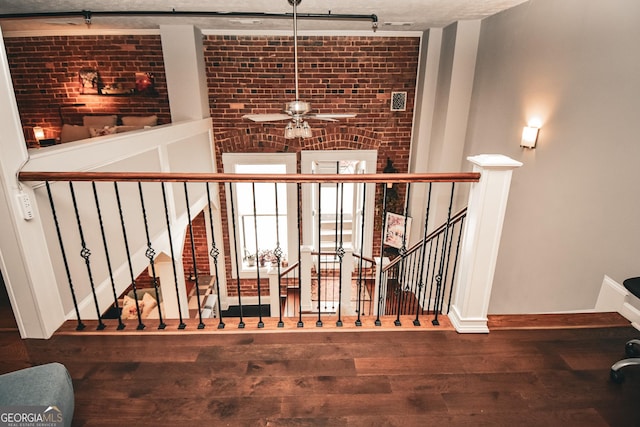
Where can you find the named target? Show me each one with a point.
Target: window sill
(247, 272)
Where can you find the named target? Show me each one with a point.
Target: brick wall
(200, 243)
(245, 75)
(253, 75)
(44, 71)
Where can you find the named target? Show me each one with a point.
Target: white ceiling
(413, 15)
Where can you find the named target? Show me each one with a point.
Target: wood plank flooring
(331, 377)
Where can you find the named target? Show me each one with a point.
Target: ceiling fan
(296, 111)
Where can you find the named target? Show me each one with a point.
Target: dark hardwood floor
(510, 377)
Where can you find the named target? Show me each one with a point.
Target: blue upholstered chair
(48, 386)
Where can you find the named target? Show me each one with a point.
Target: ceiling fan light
(306, 130)
(289, 132)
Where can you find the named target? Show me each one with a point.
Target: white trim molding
(614, 297)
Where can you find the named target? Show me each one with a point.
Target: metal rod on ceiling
(87, 15)
(295, 42)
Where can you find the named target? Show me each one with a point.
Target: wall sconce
(530, 134)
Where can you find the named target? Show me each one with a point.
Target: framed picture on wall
(89, 81)
(396, 231)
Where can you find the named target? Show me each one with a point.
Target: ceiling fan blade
(266, 117)
(330, 117)
(314, 117)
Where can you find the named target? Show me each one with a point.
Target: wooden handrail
(356, 255)
(454, 219)
(229, 177)
(295, 264)
(289, 269)
(365, 258)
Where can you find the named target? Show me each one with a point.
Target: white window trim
(229, 161)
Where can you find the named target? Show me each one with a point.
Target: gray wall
(574, 208)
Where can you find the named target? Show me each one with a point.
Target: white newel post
(347, 272)
(485, 216)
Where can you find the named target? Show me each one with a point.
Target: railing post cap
(494, 161)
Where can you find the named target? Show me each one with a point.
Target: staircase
(330, 234)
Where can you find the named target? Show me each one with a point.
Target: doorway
(338, 209)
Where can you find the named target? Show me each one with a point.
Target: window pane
(266, 232)
(328, 205)
(265, 210)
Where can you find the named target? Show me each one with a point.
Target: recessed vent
(398, 101)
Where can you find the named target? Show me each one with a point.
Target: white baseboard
(614, 297)
(467, 326)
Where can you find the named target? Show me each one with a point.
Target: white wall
(24, 259)
(183, 147)
(573, 214)
(447, 67)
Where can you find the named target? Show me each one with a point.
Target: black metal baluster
(340, 252)
(455, 264)
(433, 273)
(362, 219)
(215, 253)
(425, 301)
(141, 325)
(409, 283)
(406, 286)
(435, 321)
(150, 253)
(335, 243)
(423, 261)
(415, 280)
(447, 264)
(234, 250)
(335, 247)
(201, 324)
(403, 250)
(300, 323)
(121, 325)
(80, 325)
(383, 282)
(255, 234)
(319, 321)
(182, 325)
(384, 223)
(85, 253)
(278, 254)
(395, 295)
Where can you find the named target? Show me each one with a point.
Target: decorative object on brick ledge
(145, 83)
(296, 111)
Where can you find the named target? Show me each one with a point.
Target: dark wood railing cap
(227, 177)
